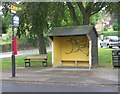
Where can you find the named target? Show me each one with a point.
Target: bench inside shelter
(75, 63)
(42, 59)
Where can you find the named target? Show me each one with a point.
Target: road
(48, 87)
(23, 52)
(28, 52)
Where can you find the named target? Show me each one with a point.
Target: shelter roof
(71, 31)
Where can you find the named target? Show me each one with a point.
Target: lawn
(19, 61)
(104, 58)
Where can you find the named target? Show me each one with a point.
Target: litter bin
(116, 58)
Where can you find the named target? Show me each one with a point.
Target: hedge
(111, 33)
(7, 47)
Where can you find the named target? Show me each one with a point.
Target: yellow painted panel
(71, 48)
(75, 48)
(68, 63)
(82, 64)
(57, 51)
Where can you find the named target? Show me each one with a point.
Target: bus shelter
(75, 46)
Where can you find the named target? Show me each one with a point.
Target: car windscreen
(114, 40)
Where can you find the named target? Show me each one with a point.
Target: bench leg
(44, 64)
(27, 63)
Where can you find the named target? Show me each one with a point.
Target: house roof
(70, 31)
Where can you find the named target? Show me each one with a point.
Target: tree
(6, 17)
(33, 22)
(86, 8)
(36, 19)
(4, 28)
(114, 8)
(116, 26)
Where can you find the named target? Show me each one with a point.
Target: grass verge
(104, 59)
(19, 61)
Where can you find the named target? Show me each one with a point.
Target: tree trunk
(41, 44)
(86, 19)
(73, 14)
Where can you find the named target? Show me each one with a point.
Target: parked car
(110, 41)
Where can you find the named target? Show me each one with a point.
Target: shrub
(110, 33)
(116, 26)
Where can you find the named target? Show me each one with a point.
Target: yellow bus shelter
(74, 46)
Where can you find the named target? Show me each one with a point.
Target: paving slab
(64, 75)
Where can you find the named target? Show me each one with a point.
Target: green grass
(19, 61)
(104, 59)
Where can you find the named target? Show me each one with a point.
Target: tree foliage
(87, 9)
(114, 8)
(6, 17)
(33, 22)
(116, 26)
(38, 18)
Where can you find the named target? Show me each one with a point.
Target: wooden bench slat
(37, 57)
(74, 61)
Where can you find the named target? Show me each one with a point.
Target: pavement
(36, 74)
(45, 75)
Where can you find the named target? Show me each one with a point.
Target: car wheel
(109, 46)
(119, 46)
(101, 45)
